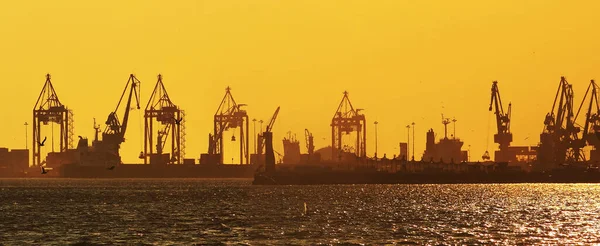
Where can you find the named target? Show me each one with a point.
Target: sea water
(200, 211)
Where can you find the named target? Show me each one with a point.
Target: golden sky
(402, 61)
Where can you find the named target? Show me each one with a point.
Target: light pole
(376, 139)
(407, 141)
(413, 148)
(26, 147)
(260, 121)
(254, 135)
(454, 121)
(528, 148)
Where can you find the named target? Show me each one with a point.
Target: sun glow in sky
(401, 61)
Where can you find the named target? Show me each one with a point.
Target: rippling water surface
(195, 211)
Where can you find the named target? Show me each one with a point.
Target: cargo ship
(14, 163)
(443, 162)
(152, 171)
(96, 162)
(430, 173)
(10, 169)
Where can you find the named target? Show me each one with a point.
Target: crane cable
(487, 142)
(140, 120)
(140, 129)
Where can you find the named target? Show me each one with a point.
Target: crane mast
(503, 137)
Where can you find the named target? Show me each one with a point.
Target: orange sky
(402, 61)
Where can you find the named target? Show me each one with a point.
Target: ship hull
(316, 177)
(150, 171)
(12, 174)
(138, 171)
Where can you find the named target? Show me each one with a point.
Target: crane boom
(134, 90)
(270, 125)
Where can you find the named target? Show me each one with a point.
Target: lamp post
(454, 134)
(26, 147)
(260, 121)
(259, 155)
(413, 148)
(376, 139)
(254, 135)
(407, 141)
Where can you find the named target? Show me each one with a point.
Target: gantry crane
(559, 129)
(268, 138)
(345, 121)
(503, 137)
(591, 128)
(161, 109)
(105, 152)
(49, 110)
(229, 115)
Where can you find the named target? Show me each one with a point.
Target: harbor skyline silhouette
(402, 66)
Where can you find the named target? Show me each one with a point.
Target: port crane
(309, 142)
(503, 137)
(591, 129)
(161, 110)
(346, 120)
(229, 115)
(49, 110)
(106, 151)
(115, 130)
(267, 136)
(559, 129)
